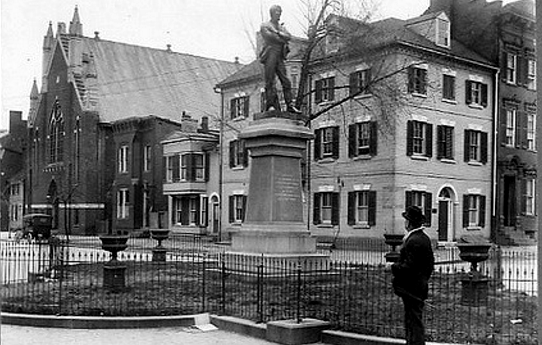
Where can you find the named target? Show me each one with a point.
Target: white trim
(419, 118)
(329, 74)
(240, 94)
(477, 78)
(362, 187)
(418, 187)
(238, 192)
(362, 67)
(326, 123)
(326, 188)
(447, 123)
(363, 118)
(475, 127)
(449, 72)
(477, 191)
(87, 206)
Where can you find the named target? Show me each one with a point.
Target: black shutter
(164, 169)
(466, 146)
(205, 211)
(331, 85)
(190, 167)
(503, 120)
(335, 210)
(352, 141)
(410, 81)
(521, 69)
(408, 199)
(482, 220)
(410, 143)
(367, 85)
(232, 108)
(185, 210)
(441, 145)
(372, 208)
(246, 106)
(231, 209)
(207, 166)
(351, 208)
(449, 142)
(523, 195)
(335, 142)
(522, 129)
(468, 91)
(317, 144)
(354, 83)
(318, 95)
(232, 153)
(465, 211)
(198, 210)
(428, 140)
(316, 209)
(244, 207)
(484, 95)
(484, 148)
(176, 168)
(423, 82)
(428, 204)
(373, 141)
(244, 149)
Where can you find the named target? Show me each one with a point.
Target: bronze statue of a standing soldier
(274, 51)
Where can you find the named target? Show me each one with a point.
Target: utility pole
(539, 150)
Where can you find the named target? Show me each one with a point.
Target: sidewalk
(19, 335)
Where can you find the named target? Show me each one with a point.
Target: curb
(89, 322)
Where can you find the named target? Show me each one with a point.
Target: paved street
(18, 335)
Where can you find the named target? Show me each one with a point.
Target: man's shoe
(293, 109)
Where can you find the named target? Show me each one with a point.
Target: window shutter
(351, 208)
(372, 208)
(449, 140)
(335, 142)
(316, 209)
(232, 153)
(368, 79)
(354, 83)
(523, 196)
(522, 129)
(335, 208)
(466, 146)
(246, 106)
(331, 87)
(428, 204)
(521, 70)
(373, 142)
(231, 209)
(232, 108)
(204, 211)
(244, 198)
(198, 211)
(465, 211)
(502, 126)
(184, 211)
(484, 95)
(207, 166)
(441, 145)
(176, 168)
(482, 220)
(352, 142)
(410, 81)
(410, 143)
(190, 167)
(424, 81)
(408, 199)
(174, 211)
(468, 91)
(164, 168)
(318, 87)
(429, 140)
(317, 144)
(245, 153)
(484, 148)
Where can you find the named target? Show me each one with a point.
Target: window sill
(239, 167)
(448, 161)
(362, 157)
(326, 160)
(324, 226)
(476, 106)
(419, 95)
(475, 163)
(450, 101)
(363, 95)
(361, 226)
(239, 118)
(419, 158)
(474, 228)
(324, 103)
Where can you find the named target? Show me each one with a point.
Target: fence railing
(199, 276)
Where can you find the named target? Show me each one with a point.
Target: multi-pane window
(237, 208)
(185, 159)
(359, 82)
(417, 80)
(56, 135)
(186, 210)
(474, 207)
(123, 199)
(325, 90)
(475, 146)
(147, 158)
(326, 143)
(238, 154)
(510, 134)
(529, 207)
(198, 166)
(443, 32)
(511, 68)
(531, 74)
(172, 174)
(445, 142)
(362, 139)
(239, 107)
(326, 208)
(423, 200)
(187, 167)
(362, 208)
(419, 138)
(193, 210)
(448, 87)
(123, 159)
(531, 131)
(476, 93)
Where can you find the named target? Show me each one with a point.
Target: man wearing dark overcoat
(411, 274)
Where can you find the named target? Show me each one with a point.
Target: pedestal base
(273, 264)
(280, 240)
(159, 254)
(114, 276)
(474, 291)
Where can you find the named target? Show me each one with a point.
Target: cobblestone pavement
(19, 335)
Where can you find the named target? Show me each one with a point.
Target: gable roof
(134, 81)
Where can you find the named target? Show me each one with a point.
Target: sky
(221, 29)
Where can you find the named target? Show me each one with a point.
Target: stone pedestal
(274, 223)
(114, 275)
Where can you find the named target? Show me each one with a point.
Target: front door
(216, 216)
(509, 201)
(443, 219)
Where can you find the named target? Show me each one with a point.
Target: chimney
(204, 124)
(96, 35)
(188, 124)
(168, 48)
(61, 28)
(236, 60)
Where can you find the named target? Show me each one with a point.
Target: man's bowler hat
(414, 214)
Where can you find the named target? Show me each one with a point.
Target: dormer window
(443, 32)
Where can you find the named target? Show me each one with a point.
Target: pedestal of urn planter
(474, 285)
(159, 252)
(114, 270)
(393, 240)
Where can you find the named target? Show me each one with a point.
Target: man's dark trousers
(274, 65)
(414, 329)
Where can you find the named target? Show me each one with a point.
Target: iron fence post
(298, 307)
(259, 292)
(203, 297)
(223, 287)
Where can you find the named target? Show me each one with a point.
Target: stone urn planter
(114, 270)
(393, 240)
(159, 252)
(474, 284)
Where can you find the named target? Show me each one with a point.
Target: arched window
(56, 135)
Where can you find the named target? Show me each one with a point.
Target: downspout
(494, 180)
(538, 137)
(309, 157)
(220, 161)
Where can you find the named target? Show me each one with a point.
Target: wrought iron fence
(199, 276)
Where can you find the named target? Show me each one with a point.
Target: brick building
(95, 127)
